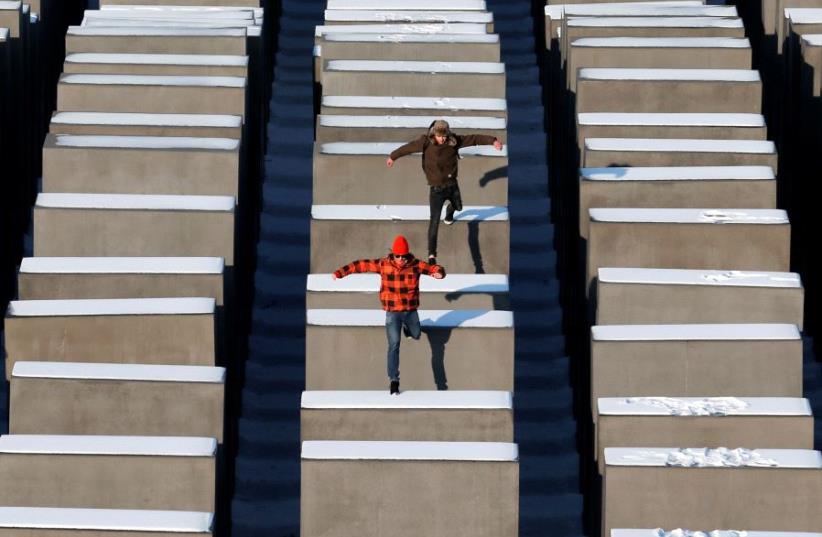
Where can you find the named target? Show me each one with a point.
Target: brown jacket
(439, 162)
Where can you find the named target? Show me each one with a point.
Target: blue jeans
(394, 322)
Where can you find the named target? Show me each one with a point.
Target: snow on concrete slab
(4, 34)
(395, 213)
(645, 9)
(111, 306)
(814, 40)
(250, 25)
(221, 60)
(672, 120)
(696, 332)
(155, 80)
(93, 520)
(162, 14)
(416, 103)
(430, 28)
(412, 38)
(409, 16)
(428, 318)
(370, 283)
(148, 120)
(408, 400)
(704, 406)
(678, 173)
(432, 67)
(385, 148)
(163, 446)
(153, 31)
(689, 216)
(115, 371)
(680, 145)
(145, 142)
(145, 202)
(122, 265)
(662, 42)
(719, 457)
(679, 532)
(258, 11)
(411, 122)
(676, 75)
(655, 22)
(722, 278)
(410, 451)
(804, 15)
(433, 5)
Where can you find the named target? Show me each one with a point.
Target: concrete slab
(635, 532)
(467, 488)
(125, 124)
(109, 472)
(407, 106)
(465, 350)
(695, 360)
(442, 416)
(356, 173)
(148, 40)
(377, 129)
(117, 399)
(407, 16)
(156, 64)
(477, 242)
(675, 296)
(602, 152)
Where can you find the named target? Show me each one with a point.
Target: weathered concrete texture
(133, 169)
(397, 107)
(702, 132)
(366, 179)
(160, 128)
(154, 44)
(221, 3)
(649, 152)
(354, 358)
(379, 133)
(115, 407)
(466, 300)
(458, 498)
(75, 64)
(108, 481)
(441, 425)
(579, 29)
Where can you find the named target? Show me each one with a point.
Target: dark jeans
(437, 196)
(394, 321)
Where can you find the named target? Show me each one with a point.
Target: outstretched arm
(479, 139)
(435, 271)
(407, 149)
(360, 265)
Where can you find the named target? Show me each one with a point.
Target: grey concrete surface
(115, 124)
(335, 128)
(603, 152)
(230, 41)
(426, 106)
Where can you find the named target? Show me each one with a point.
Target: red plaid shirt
(399, 286)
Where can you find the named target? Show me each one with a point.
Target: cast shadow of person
(492, 175)
(438, 332)
(474, 217)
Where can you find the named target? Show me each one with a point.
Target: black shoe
(432, 259)
(406, 332)
(448, 220)
(395, 387)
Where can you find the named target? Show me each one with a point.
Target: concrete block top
(149, 120)
(410, 451)
(180, 9)
(804, 15)
(663, 42)
(814, 40)
(459, 28)
(132, 520)
(251, 26)
(410, 16)
(137, 202)
(690, 216)
(428, 318)
(701, 406)
(434, 5)
(643, 9)
(155, 80)
(412, 38)
(426, 103)
(162, 13)
(122, 265)
(678, 75)
(385, 148)
(142, 142)
(671, 120)
(659, 457)
(654, 22)
(720, 278)
(370, 283)
(411, 122)
(678, 173)
(164, 446)
(7, 5)
(110, 306)
(394, 213)
(657, 532)
(154, 31)
(4, 34)
(128, 372)
(443, 400)
(695, 332)
(430, 67)
(679, 145)
(222, 60)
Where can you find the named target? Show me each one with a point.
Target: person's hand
(437, 275)
(497, 145)
(389, 162)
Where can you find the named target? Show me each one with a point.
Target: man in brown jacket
(440, 157)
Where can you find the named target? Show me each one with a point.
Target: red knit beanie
(400, 246)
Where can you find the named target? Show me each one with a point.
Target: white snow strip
(804, 15)
(409, 16)
(814, 40)
(153, 31)
(370, 283)
(663, 42)
(412, 38)
(721, 457)
(677, 75)
(411, 451)
(695, 332)
(449, 399)
(690, 216)
(385, 148)
(249, 25)
(164, 14)
(412, 122)
(433, 5)
(122, 265)
(258, 11)
(431, 28)
(125, 520)
(155, 80)
(111, 306)
(4, 34)
(659, 532)
(147, 202)
(678, 173)
(655, 22)
(147, 120)
(166, 446)
(10, 5)
(158, 59)
(645, 9)
(424, 103)
(679, 145)
(711, 406)
(411, 213)
(672, 120)
(722, 278)
(114, 371)
(432, 67)
(145, 142)
(428, 318)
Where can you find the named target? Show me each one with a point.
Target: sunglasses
(403, 257)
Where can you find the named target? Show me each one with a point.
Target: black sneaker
(448, 220)
(432, 259)
(395, 387)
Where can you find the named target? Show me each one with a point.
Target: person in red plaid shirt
(400, 296)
